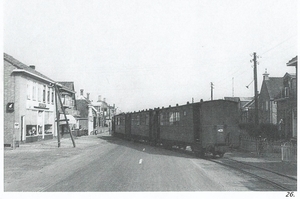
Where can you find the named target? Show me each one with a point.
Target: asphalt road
(113, 165)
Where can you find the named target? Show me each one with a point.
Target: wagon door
(221, 135)
(154, 126)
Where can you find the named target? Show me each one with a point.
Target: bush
(264, 130)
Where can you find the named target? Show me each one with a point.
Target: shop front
(39, 124)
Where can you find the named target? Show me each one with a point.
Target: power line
(278, 44)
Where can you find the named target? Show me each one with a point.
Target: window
(286, 92)
(44, 93)
(39, 93)
(147, 119)
(48, 95)
(137, 120)
(28, 90)
(174, 118)
(52, 96)
(34, 91)
(171, 118)
(267, 105)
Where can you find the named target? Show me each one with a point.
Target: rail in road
(280, 181)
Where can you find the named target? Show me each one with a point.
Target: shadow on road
(147, 148)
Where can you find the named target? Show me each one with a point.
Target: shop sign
(41, 105)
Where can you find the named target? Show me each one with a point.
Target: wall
(9, 96)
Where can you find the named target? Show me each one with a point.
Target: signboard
(17, 126)
(10, 107)
(42, 105)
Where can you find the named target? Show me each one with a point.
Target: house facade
(287, 103)
(87, 119)
(105, 113)
(270, 88)
(67, 95)
(29, 104)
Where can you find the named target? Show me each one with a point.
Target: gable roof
(69, 85)
(293, 62)
(24, 68)
(274, 85)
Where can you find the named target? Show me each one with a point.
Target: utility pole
(211, 91)
(65, 116)
(256, 121)
(57, 117)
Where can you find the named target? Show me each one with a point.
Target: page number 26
(290, 194)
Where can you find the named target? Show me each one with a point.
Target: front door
(22, 128)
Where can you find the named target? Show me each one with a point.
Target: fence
(288, 152)
(259, 145)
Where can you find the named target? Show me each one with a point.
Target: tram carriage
(204, 126)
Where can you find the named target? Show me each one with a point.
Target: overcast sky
(142, 54)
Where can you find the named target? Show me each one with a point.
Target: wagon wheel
(221, 154)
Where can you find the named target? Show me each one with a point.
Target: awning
(70, 118)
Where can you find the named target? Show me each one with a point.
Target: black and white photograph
(149, 98)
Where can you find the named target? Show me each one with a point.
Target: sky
(141, 54)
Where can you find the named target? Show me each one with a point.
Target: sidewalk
(271, 162)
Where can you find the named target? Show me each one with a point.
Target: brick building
(287, 103)
(29, 104)
(270, 88)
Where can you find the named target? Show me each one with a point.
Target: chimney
(32, 66)
(81, 92)
(104, 99)
(99, 98)
(266, 75)
(88, 96)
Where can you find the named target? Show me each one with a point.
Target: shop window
(31, 130)
(40, 129)
(48, 129)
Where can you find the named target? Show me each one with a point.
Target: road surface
(108, 164)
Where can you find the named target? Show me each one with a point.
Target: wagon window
(171, 118)
(138, 120)
(161, 119)
(177, 118)
(147, 119)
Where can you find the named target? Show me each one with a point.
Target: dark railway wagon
(140, 125)
(217, 120)
(119, 125)
(177, 126)
(205, 126)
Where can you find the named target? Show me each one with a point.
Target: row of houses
(31, 106)
(277, 103)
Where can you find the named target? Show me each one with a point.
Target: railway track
(279, 181)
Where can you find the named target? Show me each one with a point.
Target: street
(107, 164)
